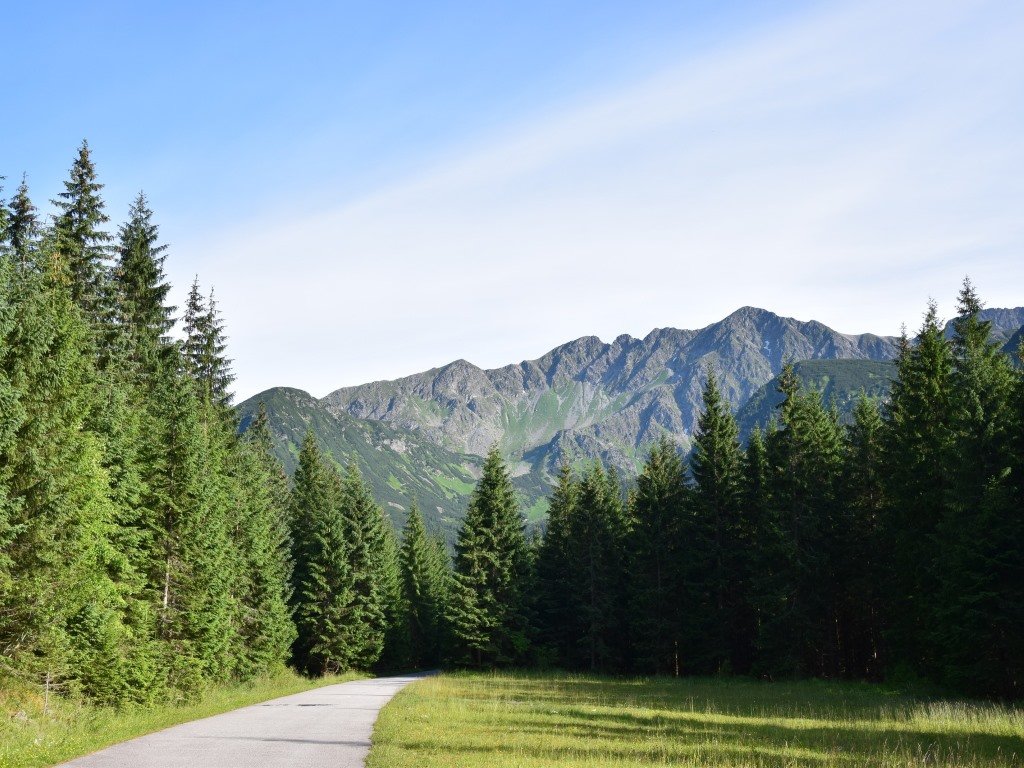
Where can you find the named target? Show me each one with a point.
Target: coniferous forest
(148, 549)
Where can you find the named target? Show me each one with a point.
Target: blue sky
(379, 188)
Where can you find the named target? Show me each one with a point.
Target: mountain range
(422, 437)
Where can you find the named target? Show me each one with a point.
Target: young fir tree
(425, 581)
(658, 552)
(720, 572)
(79, 237)
(322, 579)
(490, 617)
(23, 227)
(975, 617)
(917, 448)
(555, 620)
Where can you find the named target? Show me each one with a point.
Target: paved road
(325, 728)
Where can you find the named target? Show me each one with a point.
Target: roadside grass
(32, 738)
(560, 720)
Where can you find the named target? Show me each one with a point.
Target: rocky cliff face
(590, 398)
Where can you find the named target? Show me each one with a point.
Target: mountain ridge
(583, 399)
(634, 388)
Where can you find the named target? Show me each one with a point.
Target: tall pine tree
(79, 237)
(658, 553)
(322, 580)
(719, 572)
(425, 583)
(490, 614)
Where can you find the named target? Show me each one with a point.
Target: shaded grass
(31, 738)
(530, 719)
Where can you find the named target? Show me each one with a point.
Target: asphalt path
(324, 728)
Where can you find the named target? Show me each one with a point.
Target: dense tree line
(146, 548)
(892, 546)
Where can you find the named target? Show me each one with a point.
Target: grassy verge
(30, 738)
(561, 720)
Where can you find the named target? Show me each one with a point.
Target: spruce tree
(195, 558)
(372, 562)
(798, 595)
(719, 575)
(141, 285)
(490, 618)
(978, 539)
(396, 651)
(917, 447)
(23, 226)
(425, 578)
(555, 619)
(205, 347)
(595, 576)
(658, 553)
(217, 369)
(79, 237)
(322, 580)
(193, 326)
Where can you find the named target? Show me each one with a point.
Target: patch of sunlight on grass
(562, 720)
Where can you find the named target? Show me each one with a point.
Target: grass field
(528, 720)
(30, 738)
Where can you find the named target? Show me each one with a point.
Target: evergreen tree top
(139, 273)
(79, 237)
(23, 223)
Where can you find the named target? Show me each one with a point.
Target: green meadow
(561, 720)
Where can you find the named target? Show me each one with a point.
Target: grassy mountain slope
(399, 466)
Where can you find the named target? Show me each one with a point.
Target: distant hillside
(840, 382)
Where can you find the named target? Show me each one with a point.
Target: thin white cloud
(843, 167)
